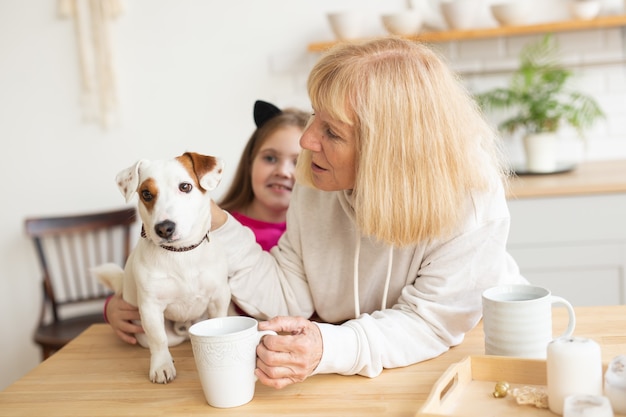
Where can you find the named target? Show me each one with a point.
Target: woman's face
(273, 168)
(333, 152)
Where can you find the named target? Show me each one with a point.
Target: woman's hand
(291, 356)
(120, 316)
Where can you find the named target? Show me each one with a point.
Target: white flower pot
(541, 152)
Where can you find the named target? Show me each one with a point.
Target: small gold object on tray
(469, 388)
(501, 389)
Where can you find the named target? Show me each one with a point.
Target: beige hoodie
(433, 290)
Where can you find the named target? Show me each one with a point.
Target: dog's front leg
(162, 368)
(220, 301)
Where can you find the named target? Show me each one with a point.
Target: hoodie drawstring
(387, 279)
(357, 308)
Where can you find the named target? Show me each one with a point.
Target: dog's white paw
(162, 371)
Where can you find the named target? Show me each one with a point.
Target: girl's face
(333, 152)
(273, 169)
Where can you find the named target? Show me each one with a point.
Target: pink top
(267, 234)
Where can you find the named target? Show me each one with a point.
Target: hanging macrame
(91, 20)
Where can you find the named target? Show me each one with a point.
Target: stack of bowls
(584, 9)
(346, 25)
(403, 23)
(460, 14)
(511, 13)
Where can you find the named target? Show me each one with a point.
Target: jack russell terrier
(174, 272)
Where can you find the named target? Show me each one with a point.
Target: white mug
(224, 349)
(517, 320)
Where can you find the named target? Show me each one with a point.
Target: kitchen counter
(593, 177)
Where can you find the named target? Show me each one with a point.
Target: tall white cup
(517, 320)
(224, 349)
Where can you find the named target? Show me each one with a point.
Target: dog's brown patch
(197, 165)
(149, 186)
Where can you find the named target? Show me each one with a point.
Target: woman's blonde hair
(422, 142)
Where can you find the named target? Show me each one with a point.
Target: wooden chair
(66, 247)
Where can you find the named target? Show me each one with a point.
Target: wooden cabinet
(568, 231)
(574, 245)
(502, 31)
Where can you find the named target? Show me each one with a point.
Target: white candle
(615, 384)
(574, 366)
(583, 405)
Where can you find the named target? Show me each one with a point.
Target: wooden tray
(466, 388)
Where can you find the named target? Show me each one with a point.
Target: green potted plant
(540, 95)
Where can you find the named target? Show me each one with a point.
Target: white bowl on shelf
(584, 9)
(403, 23)
(511, 13)
(460, 14)
(346, 25)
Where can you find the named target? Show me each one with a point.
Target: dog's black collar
(175, 249)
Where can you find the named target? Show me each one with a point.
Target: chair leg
(46, 353)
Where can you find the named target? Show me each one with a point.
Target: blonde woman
(397, 223)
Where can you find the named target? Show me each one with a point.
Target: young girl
(261, 190)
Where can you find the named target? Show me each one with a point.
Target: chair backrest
(68, 246)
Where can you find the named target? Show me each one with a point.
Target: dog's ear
(207, 168)
(211, 179)
(128, 180)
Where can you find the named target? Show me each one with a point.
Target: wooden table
(98, 375)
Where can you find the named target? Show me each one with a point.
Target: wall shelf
(503, 31)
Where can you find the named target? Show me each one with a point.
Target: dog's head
(174, 201)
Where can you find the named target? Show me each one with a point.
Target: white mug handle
(260, 334)
(571, 325)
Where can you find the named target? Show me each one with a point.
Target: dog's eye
(146, 195)
(185, 187)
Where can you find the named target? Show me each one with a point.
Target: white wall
(188, 72)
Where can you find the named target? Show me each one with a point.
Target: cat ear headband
(264, 111)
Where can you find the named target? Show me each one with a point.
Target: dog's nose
(165, 229)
